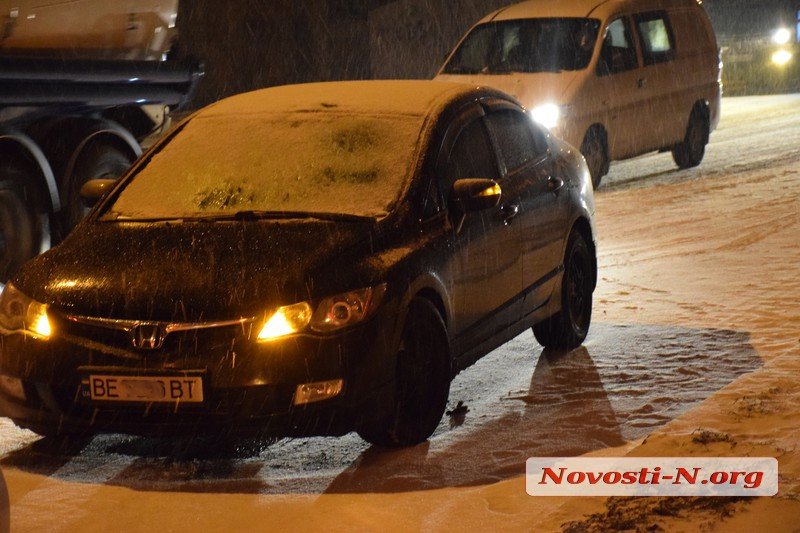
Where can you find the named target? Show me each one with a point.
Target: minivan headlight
(20, 314)
(547, 115)
(331, 314)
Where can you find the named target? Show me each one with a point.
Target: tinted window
(472, 156)
(618, 54)
(656, 37)
(514, 134)
(529, 45)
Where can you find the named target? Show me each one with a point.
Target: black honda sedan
(304, 260)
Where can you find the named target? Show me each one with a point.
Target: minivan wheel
(422, 382)
(595, 152)
(568, 328)
(689, 153)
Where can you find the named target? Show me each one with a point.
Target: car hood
(530, 89)
(193, 271)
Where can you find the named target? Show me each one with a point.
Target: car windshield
(279, 163)
(527, 45)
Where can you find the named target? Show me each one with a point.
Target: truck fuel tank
(88, 29)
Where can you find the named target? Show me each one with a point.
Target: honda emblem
(147, 337)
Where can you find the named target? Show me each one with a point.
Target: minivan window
(526, 45)
(514, 135)
(656, 37)
(618, 53)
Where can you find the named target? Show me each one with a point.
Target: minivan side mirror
(476, 194)
(93, 190)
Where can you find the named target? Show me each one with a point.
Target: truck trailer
(83, 83)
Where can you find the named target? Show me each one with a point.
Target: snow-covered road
(653, 354)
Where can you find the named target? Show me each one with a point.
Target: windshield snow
(527, 45)
(324, 162)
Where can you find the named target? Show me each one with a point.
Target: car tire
(568, 328)
(422, 382)
(98, 160)
(595, 150)
(20, 225)
(689, 153)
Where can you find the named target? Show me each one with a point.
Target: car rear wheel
(20, 227)
(595, 152)
(422, 381)
(689, 153)
(101, 159)
(568, 328)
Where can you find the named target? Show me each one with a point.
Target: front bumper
(248, 388)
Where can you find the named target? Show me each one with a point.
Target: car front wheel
(422, 382)
(568, 328)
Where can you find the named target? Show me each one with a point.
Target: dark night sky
(751, 18)
(247, 44)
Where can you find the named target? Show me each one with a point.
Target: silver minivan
(617, 78)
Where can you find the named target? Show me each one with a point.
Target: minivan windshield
(526, 45)
(324, 162)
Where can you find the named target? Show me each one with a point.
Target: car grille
(177, 338)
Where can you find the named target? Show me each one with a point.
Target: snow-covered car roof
(395, 97)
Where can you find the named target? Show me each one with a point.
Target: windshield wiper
(460, 70)
(502, 70)
(252, 215)
(248, 216)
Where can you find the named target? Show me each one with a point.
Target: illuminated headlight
(20, 314)
(781, 57)
(547, 115)
(287, 320)
(781, 36)
(334, 313)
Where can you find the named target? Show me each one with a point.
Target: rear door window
(655, 34)
(618, 53)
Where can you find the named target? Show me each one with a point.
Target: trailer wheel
(100, 159)
(20, 227)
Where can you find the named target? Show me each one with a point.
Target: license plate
(170, 389)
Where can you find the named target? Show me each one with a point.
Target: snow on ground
(695, 329)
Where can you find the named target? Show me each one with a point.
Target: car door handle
(554, 184)
(508, 212)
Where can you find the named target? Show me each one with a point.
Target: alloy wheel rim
(577, 290)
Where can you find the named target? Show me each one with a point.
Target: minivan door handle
(508, 212)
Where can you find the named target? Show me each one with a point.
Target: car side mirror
(476, 194)
(93, 190)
